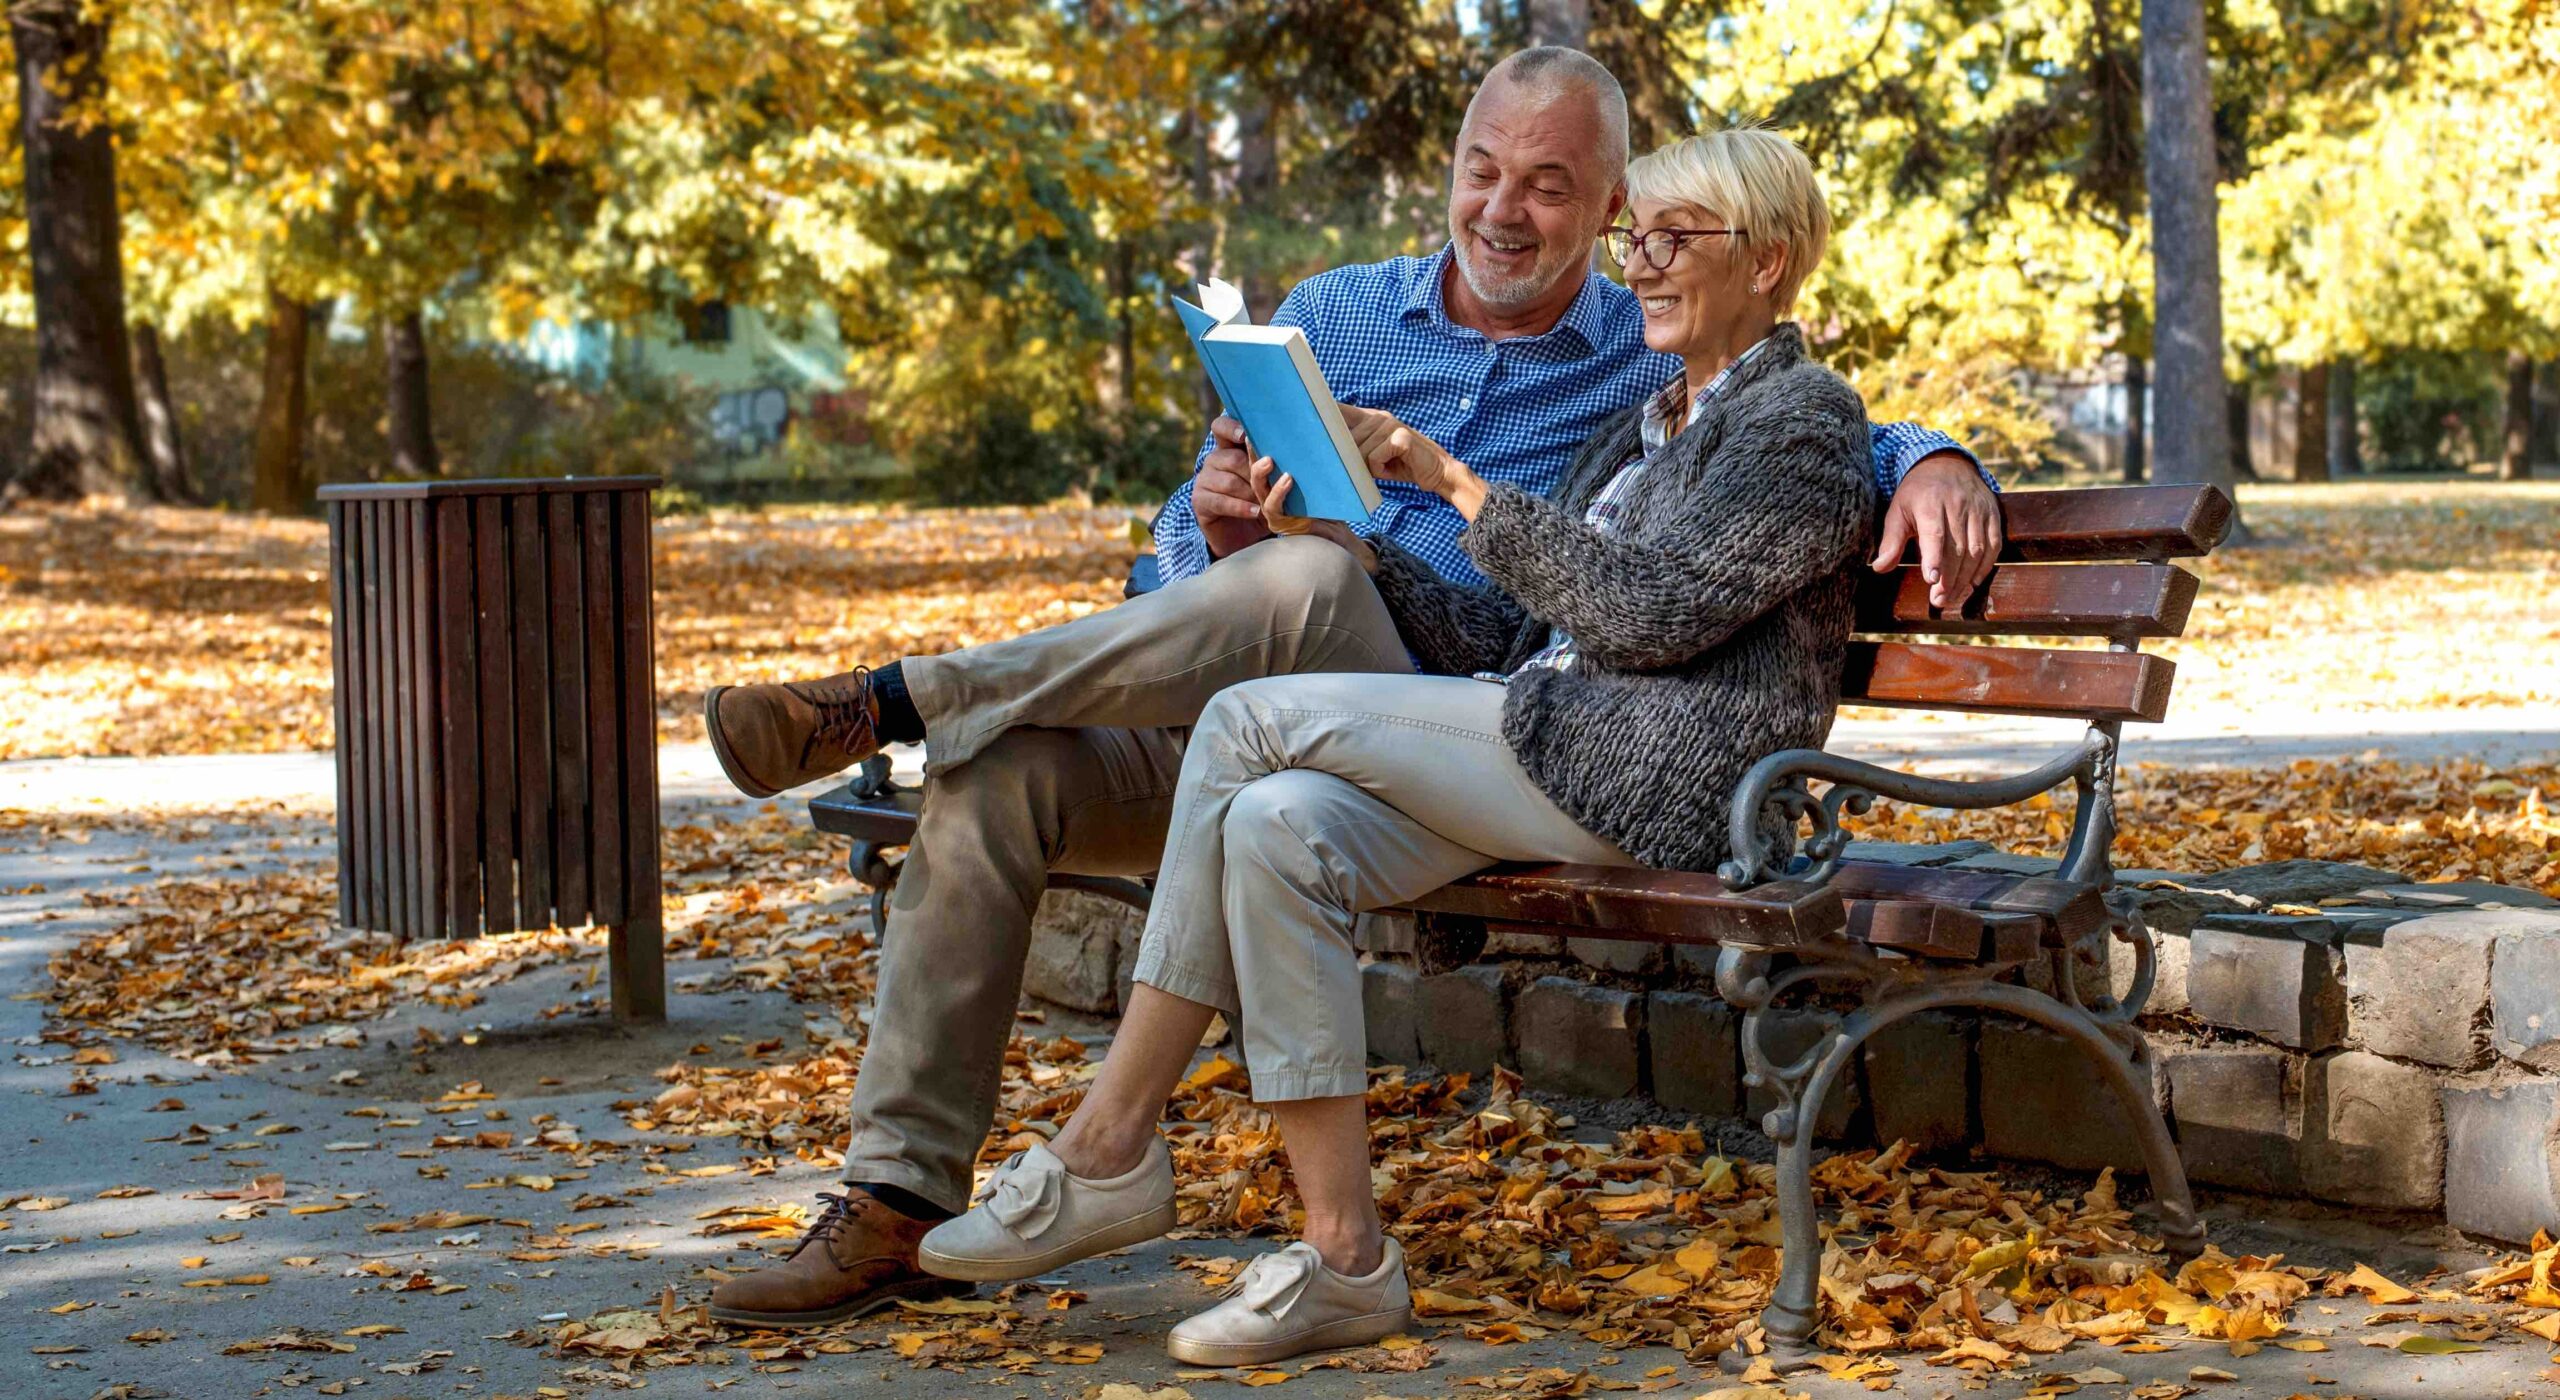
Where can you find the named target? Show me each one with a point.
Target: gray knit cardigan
(1711, 628)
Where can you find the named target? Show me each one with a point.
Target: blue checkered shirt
(1514, 410)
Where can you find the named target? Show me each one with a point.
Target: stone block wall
(2319, 1030)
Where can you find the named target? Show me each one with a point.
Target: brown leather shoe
(771, 737)
(858, 1257)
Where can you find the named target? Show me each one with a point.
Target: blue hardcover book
(1268, 379)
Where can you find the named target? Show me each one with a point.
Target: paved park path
(1932, 742)
(80, 1281)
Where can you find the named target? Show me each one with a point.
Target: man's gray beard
(1509, 293)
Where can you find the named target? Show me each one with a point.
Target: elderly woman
(1678, 610)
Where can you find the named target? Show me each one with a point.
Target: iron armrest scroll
(1776, 794)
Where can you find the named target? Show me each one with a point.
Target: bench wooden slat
(2068, 907)
(1663, 906)
(2058, 600)
(1918, 928)
(2113, 522)
(2012, 938)
(1678, 907)
(2087, 685)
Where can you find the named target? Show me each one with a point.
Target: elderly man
(1059, 750)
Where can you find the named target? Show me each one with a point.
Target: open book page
(1220, 304)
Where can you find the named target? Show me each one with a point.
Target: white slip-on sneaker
(1033, 1215)
(1288, 1303)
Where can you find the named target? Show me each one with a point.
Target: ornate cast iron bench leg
(1773, 798)
(1891, 990)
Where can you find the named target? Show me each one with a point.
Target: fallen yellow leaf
(2376, 1288)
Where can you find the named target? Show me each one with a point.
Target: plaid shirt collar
(1587, 318)
(1673, 407)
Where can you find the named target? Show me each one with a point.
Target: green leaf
(2436, 1346)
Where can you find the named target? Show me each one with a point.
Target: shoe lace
(844, 712)
(836, 1214)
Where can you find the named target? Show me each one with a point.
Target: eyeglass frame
(1640, 242)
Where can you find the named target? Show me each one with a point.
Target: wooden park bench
(1787, 914)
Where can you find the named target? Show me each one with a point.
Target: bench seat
(1914, 911)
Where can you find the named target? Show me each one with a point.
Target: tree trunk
(2345, 456)
(1204, 252)
(1564, 22)
(2546, 413)
(167, 450)
(2235, 415)
(404, 366)
(2137, 404)
(279, 484)
(2186, 260)
(1257, 182)
(88, 429)
(1123, 379)
(2311, 426)
(2515, 463)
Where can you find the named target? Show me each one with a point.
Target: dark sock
(903, 1201)
(899, 722)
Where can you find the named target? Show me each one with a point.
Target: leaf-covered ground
(2432, 821)
(1522, 1229)
(2380, 596)
(169, 631)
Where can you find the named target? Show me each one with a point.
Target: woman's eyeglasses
(1658, 245)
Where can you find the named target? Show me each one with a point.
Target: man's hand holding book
(1223, 496)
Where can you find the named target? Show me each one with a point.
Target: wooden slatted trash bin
(493, 651)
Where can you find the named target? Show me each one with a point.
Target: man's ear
(1617, 204)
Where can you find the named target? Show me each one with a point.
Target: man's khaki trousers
(1060, 750)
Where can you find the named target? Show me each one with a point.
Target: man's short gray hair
(1550, 71)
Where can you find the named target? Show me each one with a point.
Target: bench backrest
(2058, 577)
(2051, 582)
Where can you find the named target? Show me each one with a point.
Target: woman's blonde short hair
(1753, 180)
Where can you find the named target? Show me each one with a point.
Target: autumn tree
(88, 427)
(2405, 202)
